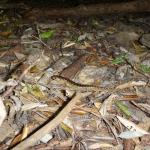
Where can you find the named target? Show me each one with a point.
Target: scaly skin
(76, 86)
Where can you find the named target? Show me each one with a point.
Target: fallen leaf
(66, 128)
(5, 34)
(5, 130)
(130, 134)
(46, 138)
(32, 105)
(35, 90)
(134, 129)
(3, 112)
(34, 69)
(123, 108)
(100, 145)
(107, 105)
(137, 47)
(20, 136)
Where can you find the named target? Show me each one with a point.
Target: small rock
(123, 72)
(124, 39)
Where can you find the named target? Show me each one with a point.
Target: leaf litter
(38, 111)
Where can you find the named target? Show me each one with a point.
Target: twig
(138, 71)
(112, 129)
(31, 140)
(130, 84)
(39, 39)
(1, 55)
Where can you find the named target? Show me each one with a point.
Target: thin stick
(39, 39)
(31, 140)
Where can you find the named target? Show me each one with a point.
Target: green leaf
(120, 59)
(47, 35)
(145, 68)
(123, 108)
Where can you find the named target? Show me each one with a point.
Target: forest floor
(75, 83)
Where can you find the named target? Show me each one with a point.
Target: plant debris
(74, 83)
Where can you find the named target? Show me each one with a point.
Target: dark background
(40, 3)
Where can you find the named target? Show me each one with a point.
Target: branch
(31, 140)
(88, 10)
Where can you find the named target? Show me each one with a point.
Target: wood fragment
(74, 68)
(31, 140)
(89, 10)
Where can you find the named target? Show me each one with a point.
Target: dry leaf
(5, 130)
(100, 145)
(107, 105)
(32, 105)
(46, 138)
(130, 134)
(21, 136)
(137, 47)
(19, 56)
(136, 131)
(3, 112)
(131, 84)
(66, 128)
(68, 44)
(130, 97)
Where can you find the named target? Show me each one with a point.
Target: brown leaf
(128, 144)
(20, 136)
